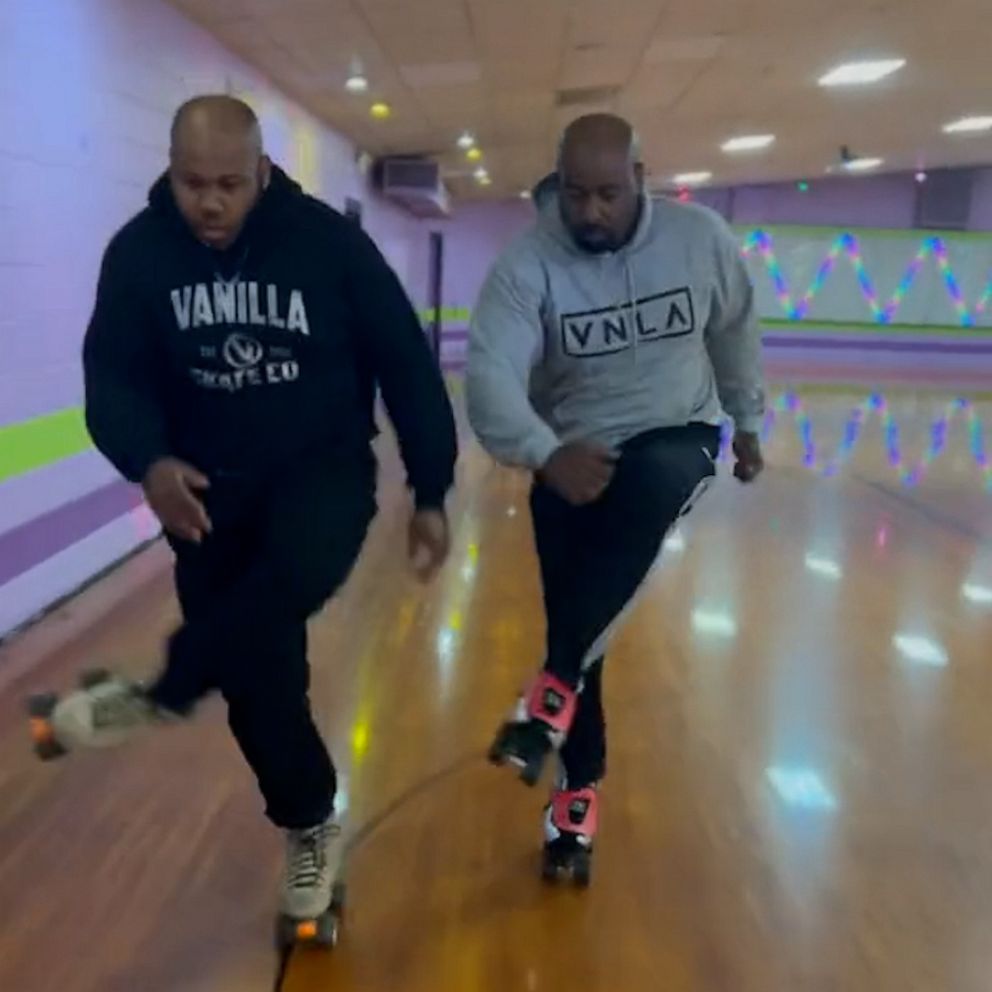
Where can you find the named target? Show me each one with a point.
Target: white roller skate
(313, 894)
(106, 711)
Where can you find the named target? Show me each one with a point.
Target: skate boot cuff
(552, 701)
(576, 812)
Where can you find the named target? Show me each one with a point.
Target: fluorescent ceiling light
(969, 125)
(824, 566)
(692, 178)
(748, 143)
(861, 73)
(976, 593)
(862, 164)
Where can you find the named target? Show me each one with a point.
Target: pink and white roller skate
(570, 823)
(539, 725)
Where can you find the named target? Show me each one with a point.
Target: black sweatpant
(594, 559)
(279, 550)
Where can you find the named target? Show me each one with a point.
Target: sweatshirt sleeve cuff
(137, 468)
(749, 423)
(539, 448)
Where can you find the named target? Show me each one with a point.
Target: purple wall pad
(37, 540)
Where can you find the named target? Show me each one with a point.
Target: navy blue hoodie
(246, 360)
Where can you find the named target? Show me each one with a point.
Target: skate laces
(122, 707)
(308, 857)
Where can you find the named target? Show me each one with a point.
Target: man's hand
(747, 451)
(580, 472)
(429, 542)
(170, 487)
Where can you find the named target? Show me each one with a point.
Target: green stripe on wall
(449, 315)
(35, 443)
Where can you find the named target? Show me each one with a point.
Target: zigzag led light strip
(848, 244)
(909, 475)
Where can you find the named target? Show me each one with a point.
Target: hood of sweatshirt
(275, 204)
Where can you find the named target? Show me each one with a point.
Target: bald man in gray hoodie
(607, 344)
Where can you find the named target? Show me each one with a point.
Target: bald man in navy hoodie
(240, 333)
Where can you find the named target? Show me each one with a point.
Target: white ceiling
(688, 73)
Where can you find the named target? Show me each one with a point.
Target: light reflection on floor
(920, 431)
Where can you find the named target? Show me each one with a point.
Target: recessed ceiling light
(969, 125)
(466, 140)
(357, 81)
(481, 175)
(525, 194)
(861, 73)
(748, 143)
(862, 164)
(474, 154)
(692, 178)
(381, 111)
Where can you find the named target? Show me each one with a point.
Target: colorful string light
(848, 245)
(910, 475)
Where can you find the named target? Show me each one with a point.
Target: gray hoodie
(566, 345)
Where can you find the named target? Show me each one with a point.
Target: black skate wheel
(93, 677)
(285, 933)
(530, 774)
(42, 705)
(582, 870)
(497, 750)
(49, 750)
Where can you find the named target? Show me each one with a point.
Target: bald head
(217, 167)
(601, 180)
(601, 133)
(210, 117)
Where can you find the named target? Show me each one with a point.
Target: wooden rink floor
(800, 715)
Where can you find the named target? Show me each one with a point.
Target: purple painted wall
(473, 237)
(981, 202)
(479, 231)
(87, 89)
(878, 201)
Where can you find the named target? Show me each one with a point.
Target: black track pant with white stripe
(595, 558)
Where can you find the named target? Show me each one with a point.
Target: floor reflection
(919, 432)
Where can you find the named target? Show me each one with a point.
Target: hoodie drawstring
(632, 304)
